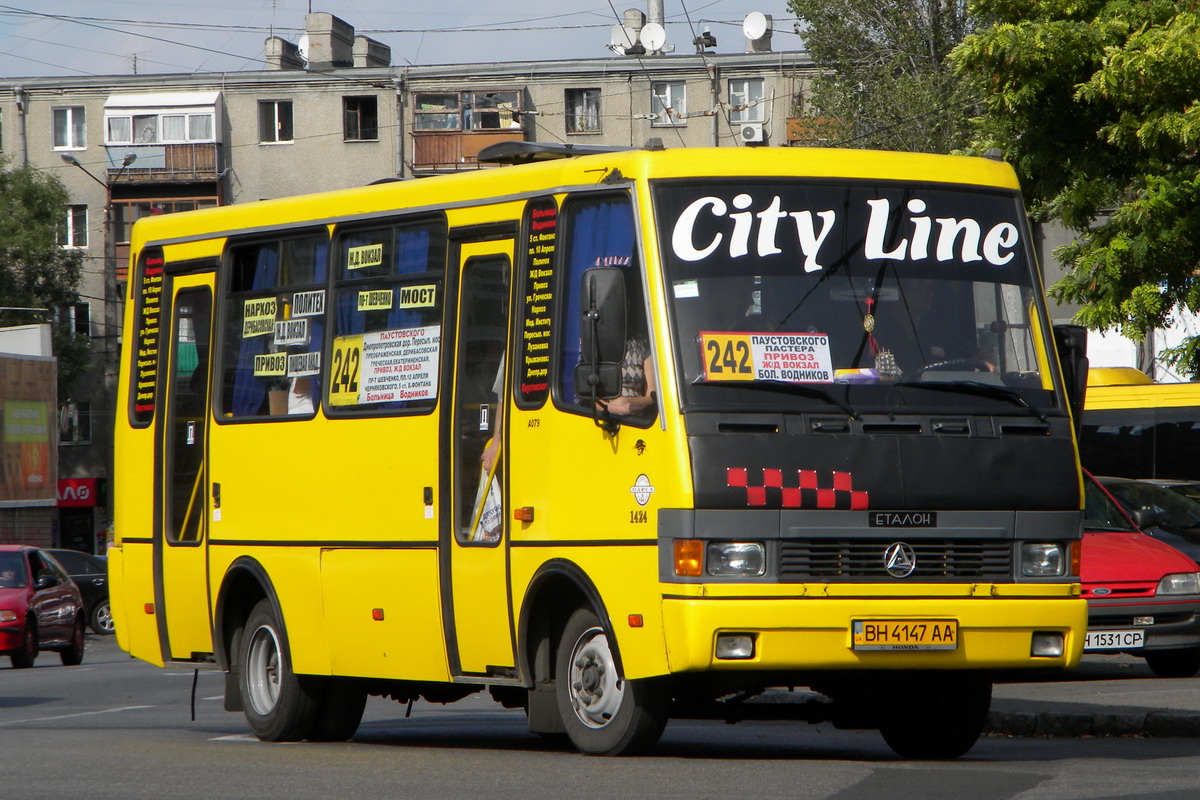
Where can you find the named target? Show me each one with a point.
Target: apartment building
(334, 114)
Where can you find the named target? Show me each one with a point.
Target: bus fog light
(736, 558)
(1047, 645)
(1043, 560)
(735, 646)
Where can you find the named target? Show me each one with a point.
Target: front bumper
(802, 631)
(11, 637)
(1176, 623)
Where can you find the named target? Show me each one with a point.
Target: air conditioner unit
(751, 132)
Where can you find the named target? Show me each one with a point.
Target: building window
(668, 103)
(77, 317)
(127, 213)
(583, 110)
(75, 423)
(467, 111)
(746, 100)
(361, 119)
(173, 128)
(74, 232)
(70, 130)
(274, 121)
(437, 112)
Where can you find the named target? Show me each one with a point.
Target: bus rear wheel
(937, 716)
(604, 714)
(279, 705)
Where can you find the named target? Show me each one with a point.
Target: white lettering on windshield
(952, 239)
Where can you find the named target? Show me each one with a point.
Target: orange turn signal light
(377, 614)
(149, 608)
(523, 514)
(689, 558)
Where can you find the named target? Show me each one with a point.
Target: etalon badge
(899, 560)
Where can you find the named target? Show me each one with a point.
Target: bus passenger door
(480, 635)
(180, 536)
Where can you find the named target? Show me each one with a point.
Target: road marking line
(73, 716)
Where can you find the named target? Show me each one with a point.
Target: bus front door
(480, 635)
(180, 537)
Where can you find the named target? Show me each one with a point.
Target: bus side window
(600, 232)
(275, 326)
(387, 312)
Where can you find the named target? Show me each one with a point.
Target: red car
(1143, 595)
(40, 608)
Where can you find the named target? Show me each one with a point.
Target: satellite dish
(755, 25)
(654, 36)
(302, 47)
(623, 37)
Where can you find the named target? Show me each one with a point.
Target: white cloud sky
(105, 37)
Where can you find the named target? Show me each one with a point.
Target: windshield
(1174, 511)
(12, 572)
(865, 294)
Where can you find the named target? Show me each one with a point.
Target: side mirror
(1071, 343)
(601, 333)
(1144, 517)
(46, 579)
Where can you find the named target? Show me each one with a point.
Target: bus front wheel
(279, 705)
(937, 716)
(604, 714)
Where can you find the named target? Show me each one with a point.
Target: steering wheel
(957, 365)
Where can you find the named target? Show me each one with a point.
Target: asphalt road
(118, 728)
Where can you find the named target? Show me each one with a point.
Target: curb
(1158, 724)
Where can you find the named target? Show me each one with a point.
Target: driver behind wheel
(928, 326)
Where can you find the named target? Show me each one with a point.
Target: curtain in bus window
(600, 234)
(249, 393)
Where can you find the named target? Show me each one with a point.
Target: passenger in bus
(638, 390)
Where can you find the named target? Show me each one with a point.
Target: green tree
(35, 272)
(1096, 103)
(886, 81)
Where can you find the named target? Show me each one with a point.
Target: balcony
(445, 151)
(167, 163)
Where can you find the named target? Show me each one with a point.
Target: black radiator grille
(824, 559)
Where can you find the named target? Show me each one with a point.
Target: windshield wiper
(980, 389)
(805, 389)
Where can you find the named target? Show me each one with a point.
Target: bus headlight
(745, 559)
(1180, 583)
(1043, 560)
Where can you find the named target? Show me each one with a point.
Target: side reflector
(689, 558)
(636, 621)
(376, 614)
(149, 608)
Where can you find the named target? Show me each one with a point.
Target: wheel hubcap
(262, 670)
(596, 691)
